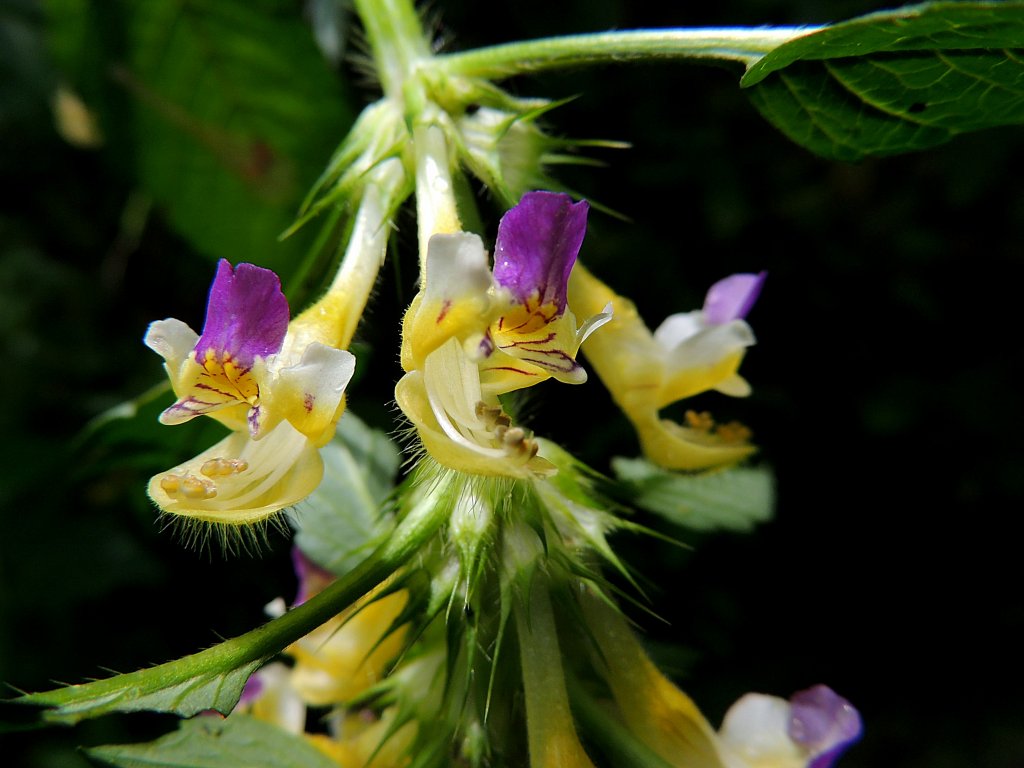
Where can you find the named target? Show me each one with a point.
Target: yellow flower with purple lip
(810, 730)
(278, 386)
(473, 334)
(689, 353)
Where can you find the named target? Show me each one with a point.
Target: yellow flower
(810, 730)
(473, 334)
(688, 354)
(277, 385)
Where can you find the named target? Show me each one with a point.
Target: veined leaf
(896, 81)
(210, 742)
(234, 111)
(731, 499)
(342, 518)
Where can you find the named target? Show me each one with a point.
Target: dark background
(885, 396)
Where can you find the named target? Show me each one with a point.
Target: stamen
(193, 487)
(514, 440)
(171, 483)
(734, 432)
(188, 485)
(513, 436)
(223, 467)
(702, 422)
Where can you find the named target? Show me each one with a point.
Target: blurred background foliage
(885, 388)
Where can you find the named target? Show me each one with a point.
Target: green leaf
(896, 81)
(214, 678)
(342, 519)
(232, 111)
(210, 742)
(731, 499)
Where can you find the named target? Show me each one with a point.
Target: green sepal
(214, 742)
(734, 499)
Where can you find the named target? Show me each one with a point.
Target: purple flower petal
(252, 690)
(246, 315)
(312, 578)
(732, 298)
(823, 722)
(538, 241)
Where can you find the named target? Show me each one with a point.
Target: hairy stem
(142, 689)
(744, 45)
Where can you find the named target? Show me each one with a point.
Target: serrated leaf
(212, 742)
(896, 81)
(342, 519)
(234, 111)
(732, 499)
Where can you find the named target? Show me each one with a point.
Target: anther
(193, 487)
(733, 432)
(702, 422)
(170, 484)
(223, 467)
(513, 436)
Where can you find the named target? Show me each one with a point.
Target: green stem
(733, 44)
(142, 689)
(396, 38)
(549, 725)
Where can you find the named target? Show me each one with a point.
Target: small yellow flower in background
(343, 657)
(333, 666)
(810, 730)
(689, 353)
(473, 334)
(278, 386)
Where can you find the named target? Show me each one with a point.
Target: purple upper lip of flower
(733, 297)
(824, 722)
(538, 241)
(246, 315)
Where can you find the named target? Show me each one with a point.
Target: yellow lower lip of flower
(350, 653)
(240, 481)
(692, 381)
(411, 394)
(361, 743)
(672, 446)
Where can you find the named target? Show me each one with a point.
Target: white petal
(171, 339)
(591, 324)
(453, 389)
(711, 344)
(308, 394)
(676, 329)
(456, 268)
(734, 386)
(755, 732)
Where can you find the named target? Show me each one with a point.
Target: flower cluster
(483, 627)
(508, 602)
